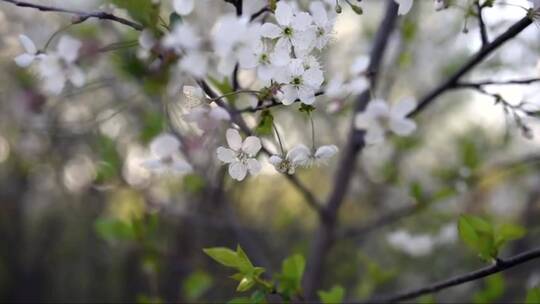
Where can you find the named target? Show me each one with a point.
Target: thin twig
(83, 16)
(501, 265)
(465, 84)
(481, 24)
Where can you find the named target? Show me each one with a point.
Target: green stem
(279, 139)
(55, 34)
(312, 132)
(235, 93)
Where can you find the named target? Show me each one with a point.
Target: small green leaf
(333, 296)
(242, 300)
(533, 296)
(292, 271)
(223, 255)
(265, 124)
(508, 232)
(244, 264)
(478, 235)
(196, 284)
(258, 297)
(304, 108)
(492, 291)
(245, 284)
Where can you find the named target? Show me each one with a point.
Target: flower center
(288, 31)
(264, 59)
(296, 81)
(320, 32)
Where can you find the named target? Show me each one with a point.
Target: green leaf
(196, 284)
(111, 163)
(224, 256)
(258, 297)
(265, 124)
(245, 284)
(333, 296)
(292, 271)
(194, 183)
(533, 296)
(224, 87)
(114, 229)
(478, 235)
(142, 11)
(492, 291)
(426, 299)
(244, 264)
(153, 124)
(508, 232)
(242, 300)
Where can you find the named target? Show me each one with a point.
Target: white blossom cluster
(282, 52)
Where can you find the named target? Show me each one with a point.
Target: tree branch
(481, 23)
(501, 265)
(325, 237)
(451, 82)
(464, 84)
(83, 16)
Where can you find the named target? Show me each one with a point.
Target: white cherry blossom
(165, 156)
(30, 54)
(413, 245)
(294, 29)
(302, 156)
(296, 157)
(266, 61)
(59, 67)
(183, 7)
(147, 41)
(206, 117)
(324, 24)
(404, 6)
(379, 117)
(299, 83)
(240, 155)
(182, 37)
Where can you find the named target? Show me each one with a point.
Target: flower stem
(54, 35)
(278, 138)
(235, 93)
(312, 132)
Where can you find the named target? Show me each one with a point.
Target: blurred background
(81, 220)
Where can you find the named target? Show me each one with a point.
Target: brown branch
(481, 23)
(83, 16)
(274, 103)
(325, 237)
(501, 265)
(480, 56)
(477, 84)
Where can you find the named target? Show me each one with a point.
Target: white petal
(247, 58)
(254, 166)
(313, 77)
(378, 107)
(299, 155)
(233, 139)
(302, 21)
(76, 76)
(179, 165)
(320, 17)
(306, 95)
(374, 135)
(28, 45)
(363, 120)
(183, 7)
(237, 171)
(304, 40)
(164, 146)
(402, 127)
(195, 63)
(68, 48)
(147, 39)
(24, 60)
(284, 13)
(251, 145)
(265, 73)
(219, 113)
(404, 6)
(403, 108)
(226, 155)
(270, 30)
(54, 84)
(275, 160)
(280, 57)
(290, 94)
(359, 65)
(326, 152)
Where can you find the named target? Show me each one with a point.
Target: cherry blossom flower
(295, 157)
(294, 29)
(302, 156)
(194, 63)
(404, 6)
(59, 67)
(299, 83)
(440, 4)
(413, 245)
(31, 53)
(324, 24)
(266, 62)
(147, 41)
(240, 155)
(183, 7)
(206, 117)
(165, 156)
(182, 37)
(380, 117)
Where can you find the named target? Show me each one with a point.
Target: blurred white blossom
(240, 155)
